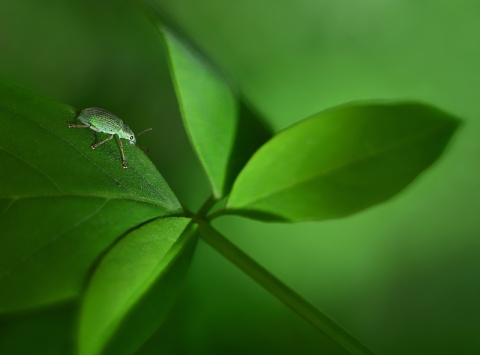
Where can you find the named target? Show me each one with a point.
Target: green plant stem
(219, 213)
(206, 207)
(284, 293)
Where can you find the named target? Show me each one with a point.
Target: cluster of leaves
(75, 225)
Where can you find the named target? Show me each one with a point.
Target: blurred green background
(403, 276)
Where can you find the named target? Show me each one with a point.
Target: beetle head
(128, 134)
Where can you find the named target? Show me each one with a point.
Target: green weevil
(103, 121)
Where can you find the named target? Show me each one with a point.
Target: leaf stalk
(282, 292)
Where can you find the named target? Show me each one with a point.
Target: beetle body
(103, 121)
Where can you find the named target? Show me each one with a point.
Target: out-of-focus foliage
(341, 161)
(222, 130)
(402, 276)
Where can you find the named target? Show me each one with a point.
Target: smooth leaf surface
(42, 332)
(208, 108)
(134, 285)
(340, 161)
(62, 203)
(214, 119)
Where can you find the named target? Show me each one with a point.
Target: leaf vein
(25, 258)
(26, 197)
(9, 206)
(372, 155)
(101, 168)
(49, 178)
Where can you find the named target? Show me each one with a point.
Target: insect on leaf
(61, 203)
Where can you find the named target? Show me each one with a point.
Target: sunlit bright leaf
(341, 161)
(223, 132)
(134, 286)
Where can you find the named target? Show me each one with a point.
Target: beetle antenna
(145, 149)
(146, 130)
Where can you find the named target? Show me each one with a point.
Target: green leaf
(215, 121)
(42, 332)
(340, 161)
(134, 285)
(62, 203)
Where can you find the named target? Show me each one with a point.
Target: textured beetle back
(103, 120)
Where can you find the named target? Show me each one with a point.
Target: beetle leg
(100, 143)
(124, 163)
(72, 125)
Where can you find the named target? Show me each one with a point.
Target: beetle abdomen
(103, 120)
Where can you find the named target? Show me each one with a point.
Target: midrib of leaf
(90, 195)
(84, 156)
(325, 173)
(12, 202)
(49, 178)
(58, 136)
